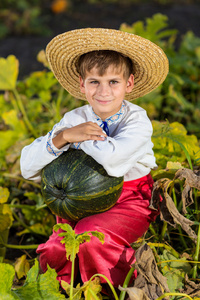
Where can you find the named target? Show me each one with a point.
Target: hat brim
(150, 62)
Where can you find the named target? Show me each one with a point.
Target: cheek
(90, 91)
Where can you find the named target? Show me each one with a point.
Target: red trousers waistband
(145, 182)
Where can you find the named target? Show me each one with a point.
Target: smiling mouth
(104, 101)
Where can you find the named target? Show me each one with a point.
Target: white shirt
(127, 151)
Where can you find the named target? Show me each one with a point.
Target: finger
(96, 138)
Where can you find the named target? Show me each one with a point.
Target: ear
(130, 84)
(82, 85)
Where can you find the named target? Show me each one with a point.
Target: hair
(102, 59)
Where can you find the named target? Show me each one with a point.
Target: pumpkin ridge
(75, 186)
(92, 196)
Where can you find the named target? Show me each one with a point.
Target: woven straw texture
(150, 62)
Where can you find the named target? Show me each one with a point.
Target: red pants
(123, 224)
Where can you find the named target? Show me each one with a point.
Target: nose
(103, 89)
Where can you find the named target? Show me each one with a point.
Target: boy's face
(105, 93)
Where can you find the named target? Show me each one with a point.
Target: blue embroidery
(49, 147)
(76, 145)
(110, 120)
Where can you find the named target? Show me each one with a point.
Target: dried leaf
(192, 180)
(135, 293)
(168, 210)
(149, 279)
(191, 288)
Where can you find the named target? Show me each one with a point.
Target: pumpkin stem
(56, 192)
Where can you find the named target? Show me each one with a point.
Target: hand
(82, 132)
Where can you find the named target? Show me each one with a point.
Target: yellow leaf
(11, 118)
(9, 69)
(22, 266)
(95, 286)
(173, 165)
(4, 194)
(41, 57)
(6, 217)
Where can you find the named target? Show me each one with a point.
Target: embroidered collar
(113, 118)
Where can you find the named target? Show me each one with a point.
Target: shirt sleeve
(127, 149)
(40, 153)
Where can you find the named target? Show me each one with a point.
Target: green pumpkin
(75, 186)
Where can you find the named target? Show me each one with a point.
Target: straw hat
(150, 63)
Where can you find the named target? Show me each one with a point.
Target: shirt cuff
(50, 146)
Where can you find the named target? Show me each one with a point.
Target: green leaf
(72, 241)
(99, 235)
(7, 274)
(9, 69)
(37, 228)
(174, 270)
(154, 29)
(39, 286)
(9, 137)
(172, 143)
(181, 100)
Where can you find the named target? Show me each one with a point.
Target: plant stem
(34, 246)
(181, 237)
(126, 283)
(22, 179)
(174, 196)
(179, 227)
(169, 248)
(93, 295)
(173, 294)
(151, 228)
(164, 229)
(72, 272)
(4, 239)
(22, 223)
(109, 283)
(23, 111)
(26, 206)
(59, 100)
(196, 255)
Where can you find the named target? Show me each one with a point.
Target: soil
(183, 17)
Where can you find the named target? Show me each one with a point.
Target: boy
(104, 67)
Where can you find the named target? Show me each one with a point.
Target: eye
(94, 82)
(113, 82)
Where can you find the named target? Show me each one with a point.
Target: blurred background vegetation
(32, 101)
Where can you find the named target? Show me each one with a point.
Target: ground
(183, 17)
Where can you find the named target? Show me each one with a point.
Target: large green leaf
(7, 273)
(174, 270)
(9, 69)
(154, 29)
(39, 286)
(17, 129)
